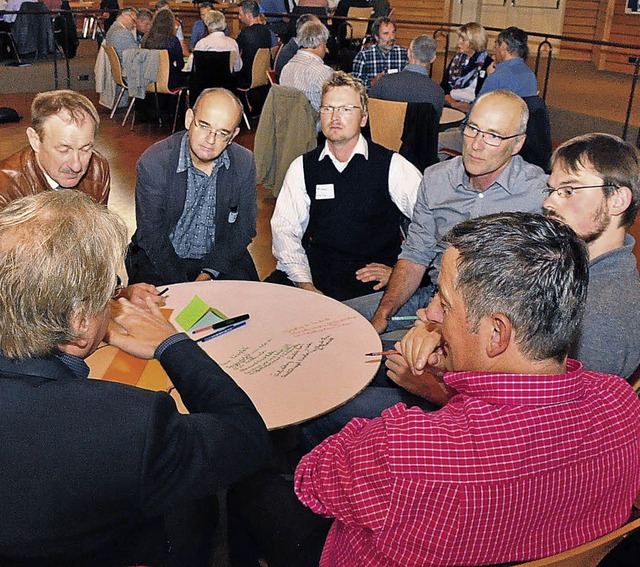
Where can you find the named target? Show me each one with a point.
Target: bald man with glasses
(122, 34)
(196, 200)
(488, 178)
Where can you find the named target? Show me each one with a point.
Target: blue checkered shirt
(372, 61)
(194, 234)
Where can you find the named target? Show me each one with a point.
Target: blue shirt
(512, 75)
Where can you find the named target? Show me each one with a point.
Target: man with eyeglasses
(337, 222)
(122, 34)
(594, 187)
(196, 200)
(488, 178)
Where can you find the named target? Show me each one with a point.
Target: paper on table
(197, 311)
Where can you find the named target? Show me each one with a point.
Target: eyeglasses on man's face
(489, 138)
(117, 288)
(566, 191)
(206, 130)
(347, 109)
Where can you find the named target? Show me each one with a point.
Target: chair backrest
(588, 554)
(261, 64)
(271, 75)
(210, 69)
(359, 29)
(537, 146)
(386, 120)
(116, 67)
(161, 84)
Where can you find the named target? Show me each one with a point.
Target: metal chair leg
(126, 116)
(115, 106)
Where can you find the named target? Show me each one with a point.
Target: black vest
(359, 225)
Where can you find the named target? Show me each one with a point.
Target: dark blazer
(160, 198)
(88, 466)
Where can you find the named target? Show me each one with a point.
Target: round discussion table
(300, 355)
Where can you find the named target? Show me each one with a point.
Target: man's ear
(188, 118)
(34, 139)
(620, 201)
(501, 335)
(518, 145)
(79, 345)
(235, 133)
(363, 122)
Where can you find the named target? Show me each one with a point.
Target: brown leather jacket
(20, 175)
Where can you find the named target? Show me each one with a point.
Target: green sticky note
(192, 313)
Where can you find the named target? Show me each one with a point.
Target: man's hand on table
(375, 272)
(136, 330)
(140, 292)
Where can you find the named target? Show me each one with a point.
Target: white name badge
(325, 192)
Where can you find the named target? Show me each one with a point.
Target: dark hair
(516, 40)
(532, 269)
(145, 14)
(206, 5)
(161, 4)
(303, 19)
(614, 160)
(250, 7)
(375, 26)
(162, 30)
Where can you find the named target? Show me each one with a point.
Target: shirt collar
(185, 161)
(360, 148)
(414, 68)
(76, 365)
(520, 389)
(52, 182)
(504, 179)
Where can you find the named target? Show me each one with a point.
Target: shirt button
(481, 195)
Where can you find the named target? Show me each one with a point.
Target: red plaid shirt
(514, 468)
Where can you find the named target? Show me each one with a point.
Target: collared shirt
(78, 367)
(217, 41)
(445, 198)
(13, 6)
(515, 467)
(511, 75)
(306, 72)
(291, 215)
(194, 234)
(372, 61)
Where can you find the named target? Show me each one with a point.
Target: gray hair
(516, 40)
(215, 21)
(532, 269)
(313, 34)
(145, 14)
(303, 19)
(424, 48)
(59, 254)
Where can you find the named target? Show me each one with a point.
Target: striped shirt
(307, 73)
(513, 468)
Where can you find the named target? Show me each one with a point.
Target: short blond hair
(342, 79)
(475, 34)
(51, 103)
(59, 255)
(215, 21)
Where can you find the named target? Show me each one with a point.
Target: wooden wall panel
(409, 12)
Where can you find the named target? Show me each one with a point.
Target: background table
(300, 355)
(451, 117)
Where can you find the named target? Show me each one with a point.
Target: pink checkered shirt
(514, 468)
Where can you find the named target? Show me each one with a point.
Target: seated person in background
(196, 200)
(177, 26)
(121, 34)
(276, 24)
(110, 14)
(143, 23)
(306, 71)
(216, 40)
(60, 154)
(413, 83)
(511, 73)
(383, 57)
(337, 222)
(464, 76)
(199, 29)
(489, 177)
(292, 46)
(162, 36)
(415, 488)
(254, 36)
(113, 474)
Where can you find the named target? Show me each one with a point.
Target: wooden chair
(271, 75)
(588, 554)
(210, 69)
(261, 64)
(116, 73)
(386, 120)
(358, 28)
(160, 86)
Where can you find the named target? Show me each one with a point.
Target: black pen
(165, 290)
(223, 324)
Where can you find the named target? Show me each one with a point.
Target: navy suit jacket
(160, 198)
(86, 462)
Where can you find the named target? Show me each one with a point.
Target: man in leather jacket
(60, 154)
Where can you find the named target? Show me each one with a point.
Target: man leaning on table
(533, 454)
(196, 200)
(94, 472)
